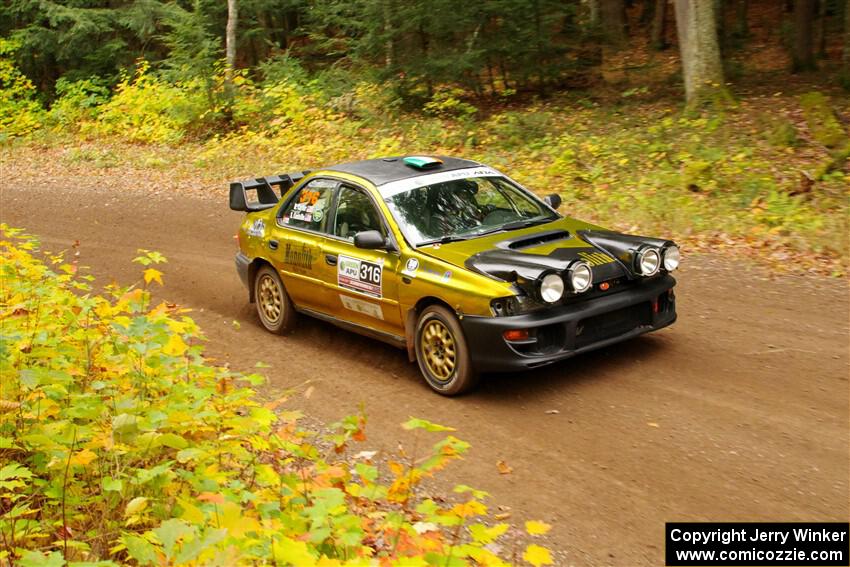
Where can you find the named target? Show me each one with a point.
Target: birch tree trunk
(230, 47)
(593, 6)
(696, 26)
(389, 32)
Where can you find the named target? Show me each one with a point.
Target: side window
(355, 213)
(309, 207)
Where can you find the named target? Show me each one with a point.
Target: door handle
(330, 259)
(273, 244)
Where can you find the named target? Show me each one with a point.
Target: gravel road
(738, 412)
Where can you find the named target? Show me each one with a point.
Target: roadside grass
(119, 442)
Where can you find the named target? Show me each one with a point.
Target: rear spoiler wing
(263, 187)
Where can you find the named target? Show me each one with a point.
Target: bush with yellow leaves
(119, 443)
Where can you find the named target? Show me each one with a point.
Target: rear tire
(273, 304)
(442, 352)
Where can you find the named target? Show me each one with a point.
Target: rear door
(363, 284)
(297, 240)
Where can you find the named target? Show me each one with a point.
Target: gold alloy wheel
(438, 345)
(270, 299)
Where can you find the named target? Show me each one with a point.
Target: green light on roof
(422, 162)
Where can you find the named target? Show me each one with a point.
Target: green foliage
(77, 101)
(822, 121)
(449, 103)
(20, 112)
(119, 443)
(782, 133)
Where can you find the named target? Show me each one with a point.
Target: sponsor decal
(302, 212)
(359, 275)
(258, 228)
(411, 267)
(300, 256)
(405, 185)
(360, 306)
(595, 258)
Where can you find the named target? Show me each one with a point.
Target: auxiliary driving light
(672, 256)
(581, 278)
(551, 288)
(649, 261)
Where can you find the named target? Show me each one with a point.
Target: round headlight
(649, 261)
(671, 258)
(581, 277)
(551, 288)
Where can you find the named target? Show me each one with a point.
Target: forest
(723, 122)
(493, 48)
(726, 119)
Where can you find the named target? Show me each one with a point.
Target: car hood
(523, 255)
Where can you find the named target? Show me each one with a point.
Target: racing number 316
(370, 273)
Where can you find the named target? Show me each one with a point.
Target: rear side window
(309, 208)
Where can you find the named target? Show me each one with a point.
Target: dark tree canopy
(485, 48)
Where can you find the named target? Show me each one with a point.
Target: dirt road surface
(738, 412)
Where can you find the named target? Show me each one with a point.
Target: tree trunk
(821, 29)
(742, 28)
(230, 47)
(389, 33)
(701, 65)
(658, 39)
(719, 12)
(802, 54)
(593, 5)
(613, 15)
(847, 36)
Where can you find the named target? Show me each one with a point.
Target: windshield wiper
(505, 227)
(445, 240)
(514, 226)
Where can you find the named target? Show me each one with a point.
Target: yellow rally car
(450, 259)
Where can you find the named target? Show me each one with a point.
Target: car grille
(612, 324)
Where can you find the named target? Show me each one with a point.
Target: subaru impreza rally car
(449, 259)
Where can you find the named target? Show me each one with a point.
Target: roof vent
(422, 162)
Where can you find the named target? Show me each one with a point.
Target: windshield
(459, 209)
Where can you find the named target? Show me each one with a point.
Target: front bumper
(568, 330)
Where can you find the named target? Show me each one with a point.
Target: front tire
(442, 352)
(273, 304)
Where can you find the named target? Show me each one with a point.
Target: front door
(363, 283)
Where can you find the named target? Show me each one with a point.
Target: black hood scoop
(509, 262)
(532, 240)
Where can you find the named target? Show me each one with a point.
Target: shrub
(118, 442)
(449, 103)
(77, 101)
(146, 108)
(20, 112)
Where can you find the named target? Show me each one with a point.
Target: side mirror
(553, 200)
(370, 240)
